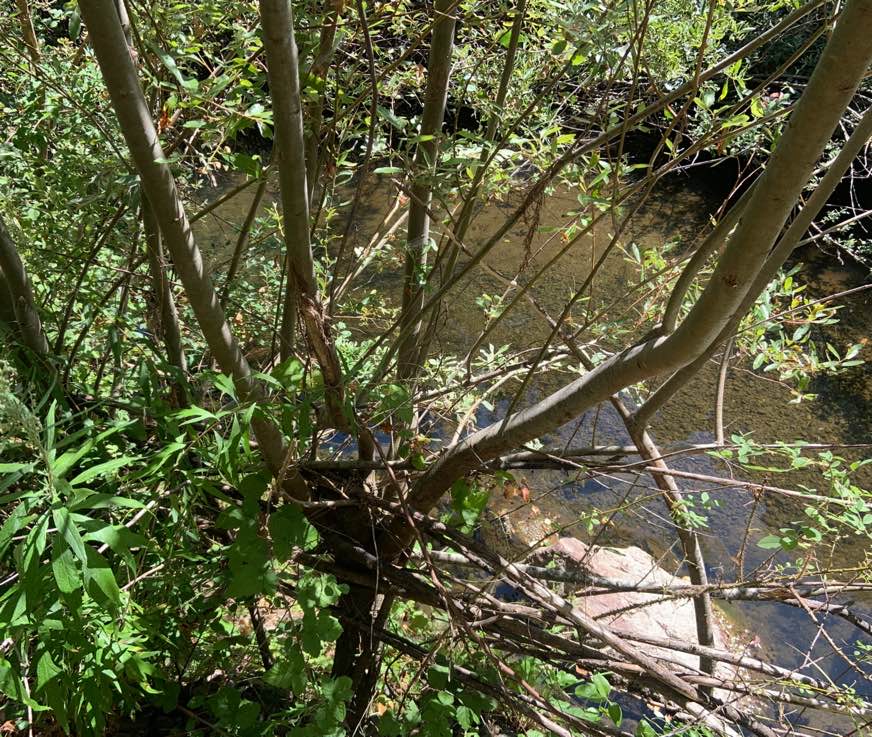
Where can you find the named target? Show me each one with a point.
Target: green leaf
(800, 333)
(100, 579)
(251, 572)
(67, 528)
(338, 689)
(318, 629)
(770, 542)
(170, 63)
(102, 469)
(466, 717)
(46, 670)
(195, 414)
(289, 673)
(615, 714)
(119, 539)
(598, 689)
(445, 697)
(17, 520)
(11, 467)
(65, 569)
(90, 500)
(389, 725)
(645, 729)
(390, 117)
(225, 385)
(288, 529)
(74, 26)
(50, 428)
(290, 373)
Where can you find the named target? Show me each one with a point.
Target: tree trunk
(28, 325)
(301, 291)
(134, 117)
(424, 170)
(25, 19)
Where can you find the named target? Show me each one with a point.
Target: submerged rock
(528, 533)
(632, 612)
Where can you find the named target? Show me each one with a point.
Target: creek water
(753, 403)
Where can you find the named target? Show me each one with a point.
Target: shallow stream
(753, 403)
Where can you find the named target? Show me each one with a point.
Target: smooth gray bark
(792, 237)
(302, 288)
(586, 147)
(842, 66)
(284, 84)
(28, 325)
(424, 169)
(473, 194)
(134, 117)
(714, 241)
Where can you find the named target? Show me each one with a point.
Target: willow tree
(368, 516)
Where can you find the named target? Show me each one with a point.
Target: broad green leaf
(46, 670)
(597, 689)
(65, 569)
(118, 538)
(67, 528)
(288, 529)
(63, 464)
(615, 714)
(90, 500)
(290, 373)
(289, 673)
(225, 385)
(10, 467)
(100, 579)
(770, 542)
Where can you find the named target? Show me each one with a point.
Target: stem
(301, 292)
(166, 316)
(25, 19)
(315, 109)
(242, 239)
(841, 67)
(13, 273)
(719, 396)
(424, 172)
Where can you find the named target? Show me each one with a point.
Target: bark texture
(134, 117)
(301, 293)
(25, 20)
(28, 326)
